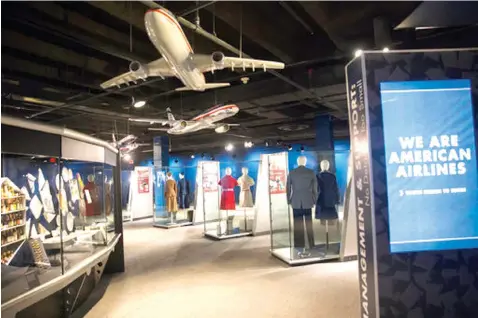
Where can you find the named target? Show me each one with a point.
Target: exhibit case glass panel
(306, 205)
(229, 197)
(55, 213)
(174, 196)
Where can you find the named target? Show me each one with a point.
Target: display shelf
(13, 197)
(11, 243)
(213, 235)
(12, 227)
(16, 232)
(15, 211)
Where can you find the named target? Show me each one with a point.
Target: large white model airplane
(206, 120)
(179, 60)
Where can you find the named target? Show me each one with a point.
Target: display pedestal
(179, 223)
(318, 254)
(213, 235)
(405, 205)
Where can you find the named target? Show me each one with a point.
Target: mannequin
(301, 196)
(245, 182)
(227, 183)
(183, 194)
(171, 196)
(329, 195)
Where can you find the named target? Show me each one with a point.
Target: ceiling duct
(441, 14)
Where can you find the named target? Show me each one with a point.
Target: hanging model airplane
(179, 60)
(206, 120)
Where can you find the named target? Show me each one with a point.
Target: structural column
(161, 163)
(324, 140)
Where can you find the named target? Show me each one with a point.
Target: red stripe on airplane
(175, 23)
(214, 111)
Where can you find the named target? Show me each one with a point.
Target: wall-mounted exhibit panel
(58, 213)
(413, 132)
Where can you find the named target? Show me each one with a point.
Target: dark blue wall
(250, 159)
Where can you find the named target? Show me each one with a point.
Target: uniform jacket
(171, 194)
(329, 191)
(183, 193)
(302, 188)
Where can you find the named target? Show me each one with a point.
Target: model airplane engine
(218, 60)
(222, 129)
(139, 69)
(182, 123)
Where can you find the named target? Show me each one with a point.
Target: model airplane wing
(153, 121)
(217, 61)
(139, 71)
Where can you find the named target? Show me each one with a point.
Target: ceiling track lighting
(137, 103)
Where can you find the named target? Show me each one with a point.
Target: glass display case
(58, 214)
(228, 197)
(306, 194)
(174, 196)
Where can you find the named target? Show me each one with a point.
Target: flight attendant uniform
(228, 200)
(171, 195)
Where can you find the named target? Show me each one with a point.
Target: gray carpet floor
(177, 273)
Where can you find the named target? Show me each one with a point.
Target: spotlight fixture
(192, 156)
(127, 157)
(358, 52)
(267, 144)
(248, 144)
(289, 147)
(229, 147)
(386, 49)
(138, 103)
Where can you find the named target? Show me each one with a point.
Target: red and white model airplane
(206, 120)
(179, 60)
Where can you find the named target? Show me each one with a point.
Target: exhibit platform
(170, 225)
(297, 256)
(216, 236)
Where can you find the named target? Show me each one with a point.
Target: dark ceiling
(55, 55)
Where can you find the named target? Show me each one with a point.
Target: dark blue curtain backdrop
(238, 159)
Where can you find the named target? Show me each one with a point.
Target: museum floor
(177, 273)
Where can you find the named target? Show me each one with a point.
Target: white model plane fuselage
(179, 60)
(207, 120)
(169, 39)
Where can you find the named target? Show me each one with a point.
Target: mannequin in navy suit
(329, 195)
(183, 192)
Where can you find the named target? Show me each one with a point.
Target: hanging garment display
(245, 182)
(183, 195)
(82, 203)
(92, 201)
(228, 200)
(170, 194)
(328, 198)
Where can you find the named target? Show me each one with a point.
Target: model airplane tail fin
(170, 114)
(206, 86)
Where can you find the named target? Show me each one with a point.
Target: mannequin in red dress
(227, 183)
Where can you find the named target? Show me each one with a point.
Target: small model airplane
(179, 60)
(206, 120)
(127, 144)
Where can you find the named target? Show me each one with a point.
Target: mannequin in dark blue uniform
(183, 192)
(329, 195)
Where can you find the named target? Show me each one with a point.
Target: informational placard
(277, 173)
(143, 180)
(210, 177)
(431, 165)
